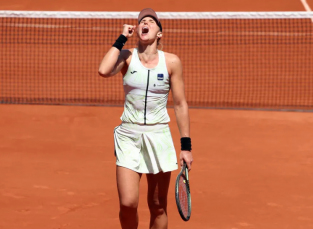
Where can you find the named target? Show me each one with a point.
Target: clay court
(252, 169)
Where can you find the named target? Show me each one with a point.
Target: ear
(159, 34)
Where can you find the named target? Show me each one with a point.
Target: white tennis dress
(143, 141)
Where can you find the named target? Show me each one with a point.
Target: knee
(128, 206)
(158, 207)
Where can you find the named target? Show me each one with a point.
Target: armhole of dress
(134, 53)
(164, 61)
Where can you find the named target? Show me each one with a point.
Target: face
(148, 29)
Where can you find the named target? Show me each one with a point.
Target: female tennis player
(143, 142)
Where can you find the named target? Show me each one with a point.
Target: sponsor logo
(160, 77)
(133, 72)
(158, 85)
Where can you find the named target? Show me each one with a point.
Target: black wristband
(185, 143)
(120, 42)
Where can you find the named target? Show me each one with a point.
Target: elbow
(182, 104)
(104, 74)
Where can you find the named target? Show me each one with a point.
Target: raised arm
(180, 108)
(114, 60)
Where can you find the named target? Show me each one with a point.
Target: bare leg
(128, 191)
(158, 185)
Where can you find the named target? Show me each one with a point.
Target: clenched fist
(128, 30)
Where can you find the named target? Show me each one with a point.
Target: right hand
(187, 157)
(128, 30)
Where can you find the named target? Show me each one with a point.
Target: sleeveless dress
(143, 142)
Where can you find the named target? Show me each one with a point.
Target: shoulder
(171, 58)
(173, 62)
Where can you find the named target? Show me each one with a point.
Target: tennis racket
(182, 194)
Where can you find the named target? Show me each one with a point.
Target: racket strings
(183, 195)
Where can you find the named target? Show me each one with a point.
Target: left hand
(187, 157)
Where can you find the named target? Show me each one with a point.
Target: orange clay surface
(252, 169)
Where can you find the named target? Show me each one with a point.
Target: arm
(180, 105)
(114, 60)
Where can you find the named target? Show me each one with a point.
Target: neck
(147, 52)
(148, 49)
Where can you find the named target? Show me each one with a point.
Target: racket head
(182, 194)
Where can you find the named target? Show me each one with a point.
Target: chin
(145, 39)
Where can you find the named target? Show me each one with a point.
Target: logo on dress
(133, 72)
(160, 77)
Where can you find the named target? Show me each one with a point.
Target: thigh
(158, 185)
(128, 186)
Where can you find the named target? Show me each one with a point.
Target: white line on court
(306, 7)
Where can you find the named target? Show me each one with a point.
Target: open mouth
(145, 30)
